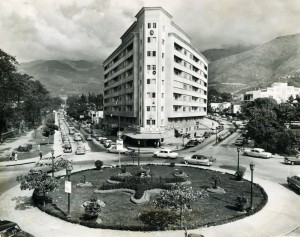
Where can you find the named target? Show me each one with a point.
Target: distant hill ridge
(259, 67)
(66, 77)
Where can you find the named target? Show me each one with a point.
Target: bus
(71, 130)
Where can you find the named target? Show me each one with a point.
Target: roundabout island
(151, 198)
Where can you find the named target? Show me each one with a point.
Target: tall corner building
(155, 81)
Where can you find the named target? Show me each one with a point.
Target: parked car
(199, 139)
(239, 141)
(45, 165)
(107, 143)
(100, 138)
(192, 143)
(294, 182)
(95, 134)
(206, 135)
(89, 138)
(65, 143)
(77, 138)
(113, 149)
(12, 229)
(102, 141)
(198, 159)
(68, 148)
(166, 153)
(293, 160)
(257, 152)
(80, 150)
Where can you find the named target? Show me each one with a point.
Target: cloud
(91, 29)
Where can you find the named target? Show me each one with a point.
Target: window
(153, 81)
(163, 82)
(148, 81)
(149, 25)
(154, 53)
(149, 67)
(162, 68)
(154, 25)
(153, 67)
(154, 39)
(162, 109)
(149, 39)
(163, 41)
(148, 108)
(153, 108)
(148, 122)
(162, 95)
(153, 94)
(162, 55)
(148, 53)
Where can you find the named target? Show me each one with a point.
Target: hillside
(65, 77)
(215, 54)
(277, 60)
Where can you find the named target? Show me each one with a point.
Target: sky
(91, 29)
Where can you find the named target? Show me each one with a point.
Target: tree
(179, 198)
(40, 182)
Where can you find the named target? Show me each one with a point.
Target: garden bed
(121, 213)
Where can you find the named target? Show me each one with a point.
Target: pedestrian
(16, 156)
(41, 155)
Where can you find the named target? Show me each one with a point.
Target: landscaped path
(277, 218)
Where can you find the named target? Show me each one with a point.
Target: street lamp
(52, 152)
(68, 172)
(138, 142)
(216, 135)
(238, 164)
(252, 165)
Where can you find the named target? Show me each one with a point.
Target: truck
(71, 130)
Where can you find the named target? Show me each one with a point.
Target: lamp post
(68, 172)
(52, 152)
(238, 164)
(138, 142)
(252, 165)
(216, 135)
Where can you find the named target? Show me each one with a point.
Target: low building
(219, 107)
(96, 116)
(279, 91)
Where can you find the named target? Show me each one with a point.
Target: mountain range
(66, 77)
(234, 69)
(274, 61)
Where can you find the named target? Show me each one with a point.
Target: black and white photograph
(149, 118)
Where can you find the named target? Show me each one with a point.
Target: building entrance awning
(144, 136)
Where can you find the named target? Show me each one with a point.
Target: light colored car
(166, 153)
(77, 138)
(199, 138)
(80, 150)
(198, 159)
(113, 149)
(294, 182)
(107, 143)
(257, 152)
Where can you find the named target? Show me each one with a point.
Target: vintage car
(239, 141)
(256, 152)
(89, 138)
(113, 149)
(165, 153)
(293, 160)
(68, 148)
(198, 159)
(10, 229)
(192, 143)
(294, 182)
(80, 150)
(199, 139)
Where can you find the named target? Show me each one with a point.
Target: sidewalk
(279, 217)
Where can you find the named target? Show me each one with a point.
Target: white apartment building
(155, 80)
(280, 91)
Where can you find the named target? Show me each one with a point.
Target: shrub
(172, 164)
(92, 209)
(123, 170)
(98, 164)
(240, 203)
(239, 175)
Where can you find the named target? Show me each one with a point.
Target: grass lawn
(121, 213)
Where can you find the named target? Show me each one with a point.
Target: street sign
(119, 144)
(68, 187)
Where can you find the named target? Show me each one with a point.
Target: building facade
(279, 91)
(155, 80)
